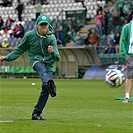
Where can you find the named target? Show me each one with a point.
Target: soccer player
(42, 53)
(126, 49)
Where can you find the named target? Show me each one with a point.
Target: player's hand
(2, 58)
(50, 49)
(127, 58)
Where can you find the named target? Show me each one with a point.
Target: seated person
(86, 40)
(6, 3)
(5, 44)
(93, 38)
(110, 47)
(14, 30)
(60, 36)
(20, 32)
(78, 40)
(117, 40)
(1, 22)
(8, 24)
(1, 38)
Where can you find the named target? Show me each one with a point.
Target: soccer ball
(114, 78)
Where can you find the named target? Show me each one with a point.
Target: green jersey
(37, 45)
(125, 40)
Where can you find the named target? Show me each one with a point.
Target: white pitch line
(4, 121)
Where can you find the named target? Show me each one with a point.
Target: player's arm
(127, 58)
(19, 50)
(124, 41)
(54, 50)
(2, 58)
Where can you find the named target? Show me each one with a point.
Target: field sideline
(81, 106)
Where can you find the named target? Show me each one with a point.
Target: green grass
(81, 106)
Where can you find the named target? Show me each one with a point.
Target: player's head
(42, 24)
(43, 19)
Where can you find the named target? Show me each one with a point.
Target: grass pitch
(81, 106)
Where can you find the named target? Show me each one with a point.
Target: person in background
(129, 14)
(94, 39)
(60, 36)
(38, 8)
(117, 40)
(121, 5)
(8, 24)
(5, 44)
(126, 7)
(1, 38)
(7, 3)
(78, 40)
(126, 50)
(131, 6)
(112, 35)
(19, 10)
(20, 32)
(98, 8)
(86, 40)
(44, 2)
(71, 29)
(125, 22)
(84, 6)
(14, 30)
(110, 49)
(105, 23)
(99, 23)
(1, 22)
(115, 11)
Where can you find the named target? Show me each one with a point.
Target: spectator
(14, 30)
(84, 6)
(117, 39)
(1, 22)
(29, 2)
(98, 8)
(7, 3)
(93, 39)
(38, 8)
(129, 14)
(5, 44)
(71, 31)
(125, 22)
(60, 36)
(1, 38)
(8, 24)
(105, 23)
(112, 35)
(127, 6)
(20, 32)
(45, 2)
(99, 22)
(115, 11)
(33, 2)
(121, 5)
(19, 10)
(132, 5)
(78, 39)
(110, 46)
(86, 41)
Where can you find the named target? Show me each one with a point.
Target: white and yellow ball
(114, 78)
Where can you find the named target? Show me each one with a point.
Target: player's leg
(45, 76)
(127, 90)
(129, 64)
